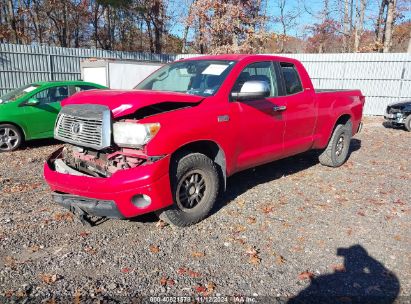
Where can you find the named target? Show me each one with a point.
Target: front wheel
(10, 138)
(195, 186)
(338, 147)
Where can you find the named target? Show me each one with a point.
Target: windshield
(17, 93)
(197, 77)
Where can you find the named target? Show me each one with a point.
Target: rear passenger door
(301, 112)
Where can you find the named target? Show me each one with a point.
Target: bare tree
(359, 24)
(409, 44)
(389, 24)
(346, 28)
(287, 20)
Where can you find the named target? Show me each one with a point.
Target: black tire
(194, 185)
(407, 123)
(11, 138)
(338, 147)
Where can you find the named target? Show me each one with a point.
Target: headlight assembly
(134, 135)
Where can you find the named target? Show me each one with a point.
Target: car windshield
(17, 93)
(196, 77)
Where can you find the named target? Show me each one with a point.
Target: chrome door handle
(279, 108)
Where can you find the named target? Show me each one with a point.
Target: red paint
(253, 135)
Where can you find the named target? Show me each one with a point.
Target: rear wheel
(10, 138)
(195, 186)
(337, 150)
(407, 123)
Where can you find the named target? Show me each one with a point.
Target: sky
(309, 13)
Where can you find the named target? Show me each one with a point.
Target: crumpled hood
(125, 102)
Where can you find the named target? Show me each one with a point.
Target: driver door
(260, 125)
(42, 117)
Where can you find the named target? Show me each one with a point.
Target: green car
(30, 112)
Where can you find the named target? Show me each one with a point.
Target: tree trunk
(283, 25)
(389, 24)
(185, 34)
(379, 29)
(359, 27)
(12, 21)
(409, 44)
(346, 26)
(150, 35)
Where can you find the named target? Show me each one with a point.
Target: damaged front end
(99, 146)
(104, 168)
(81, 161)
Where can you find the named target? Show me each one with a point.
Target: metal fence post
(50, 67)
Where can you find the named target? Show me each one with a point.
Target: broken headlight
(134, 135)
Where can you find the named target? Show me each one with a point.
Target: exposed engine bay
(98, 163)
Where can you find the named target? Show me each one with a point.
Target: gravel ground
(289, 228)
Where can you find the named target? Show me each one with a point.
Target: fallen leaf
(211, 287)
(253, 253)
(66, 216)
(239, 229)
(49, 278)
(77, 297)
(197, 254)
(181, 271)
(255, 260)
(10, 261)
(241, 203)
(279, 259)
(84, 234)
(361, 213)
(267, 209)
(338, 268)
(161, 224)
(163, 281)
(306, 275)
(125, 270)
(193, 274)
(90, 250)
(34, 248)
(251, 220)
(200, 289)
(154, 249)
(399, 202)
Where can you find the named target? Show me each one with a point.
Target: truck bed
(332, 90)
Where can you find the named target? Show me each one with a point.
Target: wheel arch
(209, 148)
(21, 129)
(342, 119)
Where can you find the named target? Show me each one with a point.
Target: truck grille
(84, 125)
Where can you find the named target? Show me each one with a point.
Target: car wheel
(407, 123)
(338, 147)
(195, 186)
(10, 137)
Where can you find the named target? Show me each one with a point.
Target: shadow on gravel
(37, 143)
(364, 280)
(389, 125)
(245, 180)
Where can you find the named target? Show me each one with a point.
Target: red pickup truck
(169, 145)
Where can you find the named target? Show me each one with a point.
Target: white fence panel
(383, 78)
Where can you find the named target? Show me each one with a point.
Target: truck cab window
(291, 78)
(261, 71)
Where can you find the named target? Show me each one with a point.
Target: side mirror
(32, 102)
(251, 90)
